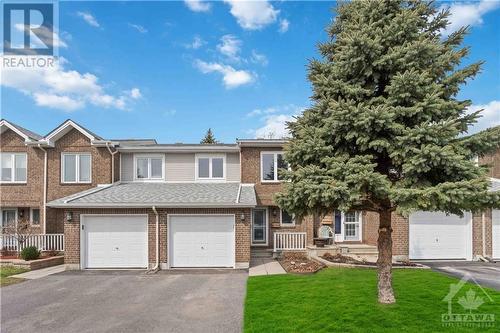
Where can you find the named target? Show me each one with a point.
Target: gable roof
(67, 126)
(21, 131)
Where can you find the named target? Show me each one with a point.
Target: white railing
(289, 241)
(46, 242)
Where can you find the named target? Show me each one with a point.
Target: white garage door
(201, 241)
(496, 233)
(115, 241)
(435, 235)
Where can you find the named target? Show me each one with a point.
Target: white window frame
(286, 224)
(275, 159)
(13, 169)
(1, 216)
(149, 157)
(77, 166)
(39, 216)
(210, 158)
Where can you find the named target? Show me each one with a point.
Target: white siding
(180, 167)
(233, 167)
(127, 167)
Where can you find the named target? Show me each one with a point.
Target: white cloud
(196, 43)
(258, 58)
(231, 77)
(463, 14)
(230, 46)
(138, 27)
(198, 5)
(490, 116)
(274, 120)
(253, 15)
(284, 25)
(135, 93)
(89, 18)
(60, 88)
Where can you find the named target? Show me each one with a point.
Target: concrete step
(261, 253)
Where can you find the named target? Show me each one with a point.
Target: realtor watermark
(469, 314)
(29, 34)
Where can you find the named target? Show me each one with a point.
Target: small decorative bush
(30, 253)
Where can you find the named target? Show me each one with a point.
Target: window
(76, 168)
(14, 167)
(210, 167)
(9, 216)
(287, 219)
(149, 167)
(35, 216)
(270, 162)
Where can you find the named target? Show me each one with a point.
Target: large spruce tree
(386, 132)
(209, 138)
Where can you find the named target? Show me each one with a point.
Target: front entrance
(347, 226)
(259, 226)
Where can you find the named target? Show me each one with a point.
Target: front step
(261, 253)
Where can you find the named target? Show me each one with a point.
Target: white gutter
(44, 229)
(157, 255)
(238, 195)
(112, 162)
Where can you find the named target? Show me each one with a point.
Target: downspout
(157, 256)
(112, 162)
(44, 229)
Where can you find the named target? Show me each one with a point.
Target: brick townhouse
(125, 203)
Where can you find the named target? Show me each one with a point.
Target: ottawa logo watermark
(469, 315)
(28, 32)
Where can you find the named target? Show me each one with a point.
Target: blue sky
(170, 70)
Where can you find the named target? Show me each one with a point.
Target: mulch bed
(339, 258)
(299, 263)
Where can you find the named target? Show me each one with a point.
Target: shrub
(30, 253)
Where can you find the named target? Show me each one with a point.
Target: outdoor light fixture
(69, 216)
(242, 217)
(275, 212)
(21, 213)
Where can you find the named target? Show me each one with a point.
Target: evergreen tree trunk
(384, 261)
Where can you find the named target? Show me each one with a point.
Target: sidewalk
(40, 273)
(265, 267)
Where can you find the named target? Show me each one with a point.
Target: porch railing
(284, 241)
(44, 242)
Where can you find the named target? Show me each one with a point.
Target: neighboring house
(137, 204)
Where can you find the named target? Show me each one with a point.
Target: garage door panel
(201, 241)
(116, 241)
(435, 235)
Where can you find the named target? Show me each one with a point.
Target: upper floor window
(149, 167)
(270, 162)
(14, 167)
(76, 168)
(210, 167)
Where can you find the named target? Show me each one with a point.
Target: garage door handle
(203, 248)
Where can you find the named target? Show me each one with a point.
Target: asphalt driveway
(126, 301)
(485, 273)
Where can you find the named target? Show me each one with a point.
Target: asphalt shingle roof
(27, 132)
(162, 194)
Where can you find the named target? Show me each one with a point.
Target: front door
(347, 226)
(259, 227)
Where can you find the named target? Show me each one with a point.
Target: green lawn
(6, 272)
(345, 300)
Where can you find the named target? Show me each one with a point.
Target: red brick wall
(494, 161)
(72, 230)
(477, 233)
(26, 195)
(74, 141)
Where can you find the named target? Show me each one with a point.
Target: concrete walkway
(40, 273)
(260, 266)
